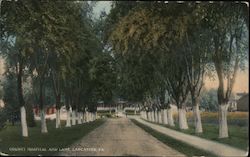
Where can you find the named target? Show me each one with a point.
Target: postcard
(124, 78)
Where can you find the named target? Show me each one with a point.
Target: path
(208, 145)
(120, 137)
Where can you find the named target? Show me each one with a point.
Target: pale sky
(101, 6)
(241, 82)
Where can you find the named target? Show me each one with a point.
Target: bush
(30, 116)
(3, 118)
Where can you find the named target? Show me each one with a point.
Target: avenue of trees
(52, 48)
(175, 46)
(154, 54)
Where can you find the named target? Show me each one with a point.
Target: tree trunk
(43, 122)
(68, 122)
(87, 116)
(153, 116)
(58, 101)
(92, 116)
(79, 117)
(24, 122)
(165, 116)
(73, 117)
(198, 125)
(21, 101)
(149, 116)
(82, 117)
(156, 116)
(223, 129)
(170, 117)
(58, 121)
(159, 117)
(182, 118)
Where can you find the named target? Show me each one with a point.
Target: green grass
(55, 138)
(177, 145)
(238, 135)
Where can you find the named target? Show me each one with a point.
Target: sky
(102, 6)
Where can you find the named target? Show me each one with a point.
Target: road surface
(119, 137)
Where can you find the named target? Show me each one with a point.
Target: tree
(10, 98)
(15, 36)
(228, 48)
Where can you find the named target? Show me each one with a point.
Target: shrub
(3, 118)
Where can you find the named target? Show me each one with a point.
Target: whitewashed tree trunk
(43, 122)
(87, 116)
(24, 122)
(79, 118)
(198, 125)
(165, 116)
(159, 117)
(182, 119)
(223, 129)
(153, 116)
(68, 122)
(170, 117)
(162, 116)
(82, 117)
(156, 116)
(58, 121)
(90, 117)
(149, 116)
(73, 117)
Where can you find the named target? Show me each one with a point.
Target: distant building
(243, 103)
(48, 110)
(234, 102)
(232, 105)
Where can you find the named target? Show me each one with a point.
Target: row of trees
(165, 51)
(152, 53)
(53, 47)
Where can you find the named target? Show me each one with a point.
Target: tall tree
(228, 48)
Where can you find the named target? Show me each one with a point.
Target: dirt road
(119, 137)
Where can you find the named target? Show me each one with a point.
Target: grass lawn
(177, 145)
(55, 138)
(238, 134)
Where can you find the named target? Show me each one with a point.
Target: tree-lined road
(120, 137)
